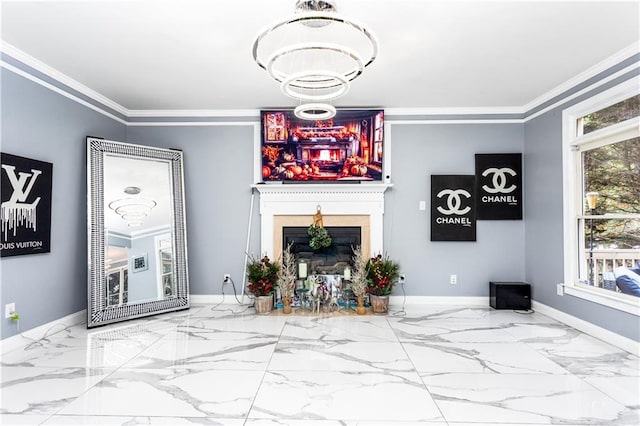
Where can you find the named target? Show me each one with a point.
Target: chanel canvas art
(499, 186)
(453, 208)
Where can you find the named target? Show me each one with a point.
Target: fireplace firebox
(327, 261)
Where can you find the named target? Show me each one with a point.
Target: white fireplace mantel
(365, 199)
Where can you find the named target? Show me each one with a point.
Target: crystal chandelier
(132, 208)
(314, 55)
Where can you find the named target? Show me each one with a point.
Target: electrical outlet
(226, 278)
(401, 278)
(560, 289)
(453, 279)
(9, 309)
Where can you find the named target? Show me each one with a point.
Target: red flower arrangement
(382, 274)
(262, 276)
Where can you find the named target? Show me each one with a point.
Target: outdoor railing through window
(607, 261)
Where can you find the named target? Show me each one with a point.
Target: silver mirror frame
(97, 311)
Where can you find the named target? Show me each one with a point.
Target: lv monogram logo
(22, 185)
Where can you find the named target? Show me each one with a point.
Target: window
(602, 202)
(613, 114)
(378, 130)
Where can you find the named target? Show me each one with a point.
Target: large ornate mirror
(137, 232)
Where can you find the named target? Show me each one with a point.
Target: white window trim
(572, 198)
(159, 286)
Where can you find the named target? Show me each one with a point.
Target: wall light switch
(422, 205)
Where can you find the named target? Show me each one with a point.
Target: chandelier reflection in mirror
(133, 208)
(314, 55)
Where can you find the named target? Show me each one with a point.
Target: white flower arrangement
(288, 273)
(359, 273)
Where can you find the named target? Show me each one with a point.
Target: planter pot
(264, 304)
(379, 304)
(361, 310)
(286, 307)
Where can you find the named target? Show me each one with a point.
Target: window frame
(159, 242)
(573, 143)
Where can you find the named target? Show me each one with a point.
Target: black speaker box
(510, 295)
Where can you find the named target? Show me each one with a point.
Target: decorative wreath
(319, 237)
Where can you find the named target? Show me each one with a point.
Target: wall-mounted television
(346, 148)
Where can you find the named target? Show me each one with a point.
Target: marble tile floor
(431, 365)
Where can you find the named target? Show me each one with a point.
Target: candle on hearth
(347, 273)
(302, 270)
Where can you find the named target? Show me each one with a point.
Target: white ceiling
(196, 55)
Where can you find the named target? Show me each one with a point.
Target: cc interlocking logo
(499, 180)
(454, 201)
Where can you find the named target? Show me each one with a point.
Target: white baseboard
(23, 339)
(439, 300)
(598, 332)
(214, 299)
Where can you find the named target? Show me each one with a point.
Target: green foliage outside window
(613, 171)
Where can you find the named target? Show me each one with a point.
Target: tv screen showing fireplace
(347, 148)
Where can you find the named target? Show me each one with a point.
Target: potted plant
(359, 279)
(287, 279)
(263, 278)
(382, 274)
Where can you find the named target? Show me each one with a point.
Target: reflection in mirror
(137, 232)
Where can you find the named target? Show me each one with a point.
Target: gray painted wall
(218, 168)
(118, 240)
(218, 173)
(39, 123)
(420, 150)
(544, 229)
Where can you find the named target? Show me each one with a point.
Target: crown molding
(60, 91)
(60, 77)
(573, 82)
(506, 110)
(584, 90)
(211, 113)
(506, 114)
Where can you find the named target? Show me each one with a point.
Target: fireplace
(343, 205)
(328, 157)
(329, 260)
(326, 147)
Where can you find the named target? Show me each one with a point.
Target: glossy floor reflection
(225, 365)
